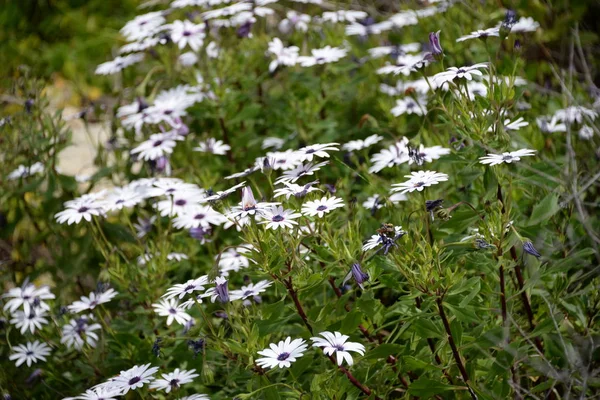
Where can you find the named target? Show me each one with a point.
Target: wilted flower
(435, 46)
(529, 249)
(357, 273)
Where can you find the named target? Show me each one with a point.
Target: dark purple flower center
(460, 71)
(321, 208)
(419, 184)
(310, 151)
(283, 356)
(174, 383)
(187, 33)
(172, 311)
(189, 288)
(248, 293)
(507, 157)
(134, 380)
(157, 143)
(278, 218)
(339, 347)
(199, 216)
(172, 190)
(29, 353)
(82, 209)
(120, 201)
(181, 202)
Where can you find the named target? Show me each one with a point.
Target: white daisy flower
(287, 56)
(180, 204)
(397, 198)
(213, 146)
(182, 289)
(325, 55)
(188, 59)
(234, 259)
(291, 189)
(284, 160)
(396, 154)
(251, 290)
(343, 16)
(244, 173)
(196, 397)
(29, 321)
(172, 310)
(131, 379)
(419, 180)
(300, 171)
(120, 198)
(140, 45)
(586, 132)
(159, 145)
(173, 187)
(404, 18)
(480, 34)
(93, 300)
(118, 64)
(177, 256)
(184, 33)
(78, 332)
(174, 380)
(97, 393)
(221, 194)
(316, 150)
(294, 21)
(283, 354)
(452, 73)
(321, 206)
(143, 26)
(249, 206)
(575, 114)
(525, 24)
(374, 202)
(355, 145)
(511, 125)
(383, 239)
(78, 210)
(408, 105)
(23, 171)
(198, 216)
(29, 297)
(276, 217)
(550, 124)
(426, 154)
(272, 142)
(507, 157)
(337, 343)
(29, 353)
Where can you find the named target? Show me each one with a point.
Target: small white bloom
(29, 321)
(197, 216)
(172, 310)
(294, 21)
(550, 125)
(188, 59)
(131, 379)
(374, 202)
(251, 290)
(419, 180)
(408, 105)
(480, 34)
(575, 114)
(337, 343)
(287, 56)
(23, 172)
(173, 380)
(118, 64)
(395, 154)
(325, 55)
(355, 145)
(159, 145)
(343, 16)
(184, 33)
(93, 300)
(213, 146)
(321, 206)
(508, 157)
(525, 24)
(29, 296)
(283, 354)
(29, 353)
(188, 288)
(234, 259)
(299, 172)
(291, 189)
(80, 331)
(277, 217)
(79, 209)
(120, 198)
(586, 132)
(143, 26)
(452, 73)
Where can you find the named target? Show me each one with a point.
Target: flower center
(134, 380)
(460, 71)
(283, 356)
(199, 216)
(278, 218)
(187, 33)
(82, 209)
(157, 143)
(29, 353)
(310, 151)
(507, 157)
(174, 383)
(321, 208)
(180, 202)
(189, 288)
(172, 311)
(339, 347)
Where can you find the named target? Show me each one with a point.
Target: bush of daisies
(301, 199)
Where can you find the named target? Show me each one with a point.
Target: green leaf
(427, 388)
(544, 210)
(384, 350)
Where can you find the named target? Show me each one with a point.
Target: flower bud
(436, 47)
(529, 249)
(509, 21)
